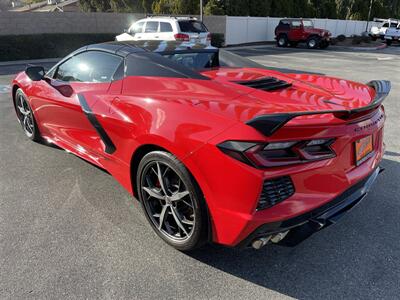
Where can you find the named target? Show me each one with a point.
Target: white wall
(240, 30)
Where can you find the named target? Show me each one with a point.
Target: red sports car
(215, 147)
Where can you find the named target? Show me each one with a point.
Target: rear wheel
(25, 116)
(313, 42)
(172, 201)
(282, 41)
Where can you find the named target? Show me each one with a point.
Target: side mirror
(35, 73)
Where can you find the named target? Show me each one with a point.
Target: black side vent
(275, 191)
(265, 84)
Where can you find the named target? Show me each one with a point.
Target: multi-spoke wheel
(172, 201)
(25, 116)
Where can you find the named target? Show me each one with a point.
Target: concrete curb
(26, 62)
(380, 47)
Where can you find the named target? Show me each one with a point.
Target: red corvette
(215, 147)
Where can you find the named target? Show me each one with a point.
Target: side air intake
(265, 84)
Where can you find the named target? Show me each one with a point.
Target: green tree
(214, 7)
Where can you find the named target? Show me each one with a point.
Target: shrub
(217, 39)
(356, 40)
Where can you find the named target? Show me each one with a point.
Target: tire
(388, 42)
(374, 38)
(282, 41)
(184, 223)
(25, 116)
(313, 42)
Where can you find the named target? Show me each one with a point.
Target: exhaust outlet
(260, 242)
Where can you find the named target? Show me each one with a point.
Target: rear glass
(192, 26)
(195, 61)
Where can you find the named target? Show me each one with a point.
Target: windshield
(308, 23)
(192, 26)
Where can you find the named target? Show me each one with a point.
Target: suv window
(308, 23)
(90, 66)
(165, 27)
(151, 26)
(137, 28)
(385, 25)
(296, 24)
(192, 26)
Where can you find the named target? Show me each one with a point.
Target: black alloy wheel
(171, 200)
(25, 116)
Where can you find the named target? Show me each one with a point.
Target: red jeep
(294, 31)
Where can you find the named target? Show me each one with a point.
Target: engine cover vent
(265, 84)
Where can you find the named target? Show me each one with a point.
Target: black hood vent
(265, 84)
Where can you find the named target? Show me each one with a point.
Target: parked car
(184, 29)
(392, 35)
(294, 31)
(215, 147)
(380, 30)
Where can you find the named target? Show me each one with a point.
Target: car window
(296, 24)
(151, 26)
(90, 66)
(165, 27)
(137, 28)
(385, 25)
(192, 26)
(308, 23)
(393, 25)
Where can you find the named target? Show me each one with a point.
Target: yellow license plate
(363, 148)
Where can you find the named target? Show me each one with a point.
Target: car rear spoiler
(269, 124)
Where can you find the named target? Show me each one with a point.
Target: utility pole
(369, 14)
(201, 10)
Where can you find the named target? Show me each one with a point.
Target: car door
(151, 31)
(62, 115)
(296, 31)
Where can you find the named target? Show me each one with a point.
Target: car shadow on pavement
(357, 258)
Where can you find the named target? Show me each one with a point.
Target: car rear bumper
(303, 226)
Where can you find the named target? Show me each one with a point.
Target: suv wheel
(282, 41)
(313, 42)
(172, 201)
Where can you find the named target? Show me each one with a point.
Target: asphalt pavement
(69, 230)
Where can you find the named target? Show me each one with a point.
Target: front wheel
(172, 201)
(25, 116)
(313, 42)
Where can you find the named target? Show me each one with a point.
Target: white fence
(240, 30)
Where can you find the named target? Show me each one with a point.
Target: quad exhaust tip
(261, 242)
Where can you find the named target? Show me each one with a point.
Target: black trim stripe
(109, 145)
(269, 124)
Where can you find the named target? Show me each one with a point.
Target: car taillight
(209, 36)
(181, 37)
(262, 155)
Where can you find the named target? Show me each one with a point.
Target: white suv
(185, 29)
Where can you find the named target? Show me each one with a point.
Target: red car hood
(306, 93)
